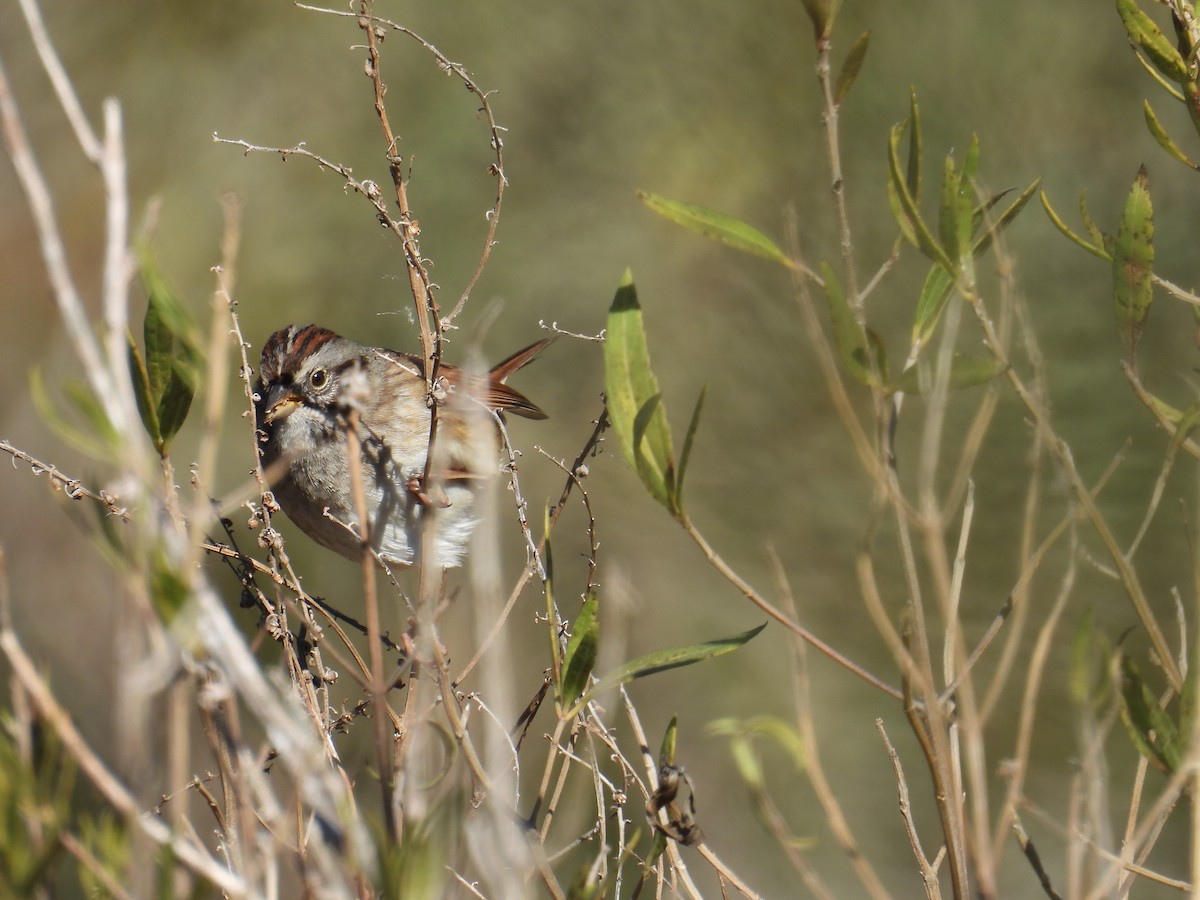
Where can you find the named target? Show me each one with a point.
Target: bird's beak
(282, 401)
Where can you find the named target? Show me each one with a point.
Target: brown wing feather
(501, 370)
(500, 396)
(491, 389)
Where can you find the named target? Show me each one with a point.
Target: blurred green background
(705, 101)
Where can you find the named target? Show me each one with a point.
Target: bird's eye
(317, 378)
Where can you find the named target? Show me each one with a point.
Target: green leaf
(1151, 729)
(934, 294)
(904, 205)
(912, 175)
(686, 453)
(948, 209)
(939, 282)
(850, 67)
(663, 660)
(855, 344)
(652, 471)
(666, 749)
(169, 373)
(915, 159)
(632, 396)
(718, 226)
(1133, 261)
(997, 226)
(956, 215)
(1164, 140)
(965, 207)
(1056, 219)
(582, 649)
(822, 14)
(965, 371)
(1149, 38)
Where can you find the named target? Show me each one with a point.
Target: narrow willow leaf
(957, 211)
(686, 453)
(1149, 38)
(965, 371)
(965, 209)
(582, 649)
(629, 385)
(1056, 219)
(981, 211)
(1170, 87)
(851, 66)
(934, 294)
(915, 161)
(921, 236)
(663, 660)
(948, 209)
(655, 471)
(1153, 732)
(1133, 261)
(912, 179)
(895, 202)
(996, 226)
(718, 226)
(1164, 140)
(666, 748)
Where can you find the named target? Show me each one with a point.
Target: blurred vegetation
(708, 103)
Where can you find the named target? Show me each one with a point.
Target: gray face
(302, 370)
